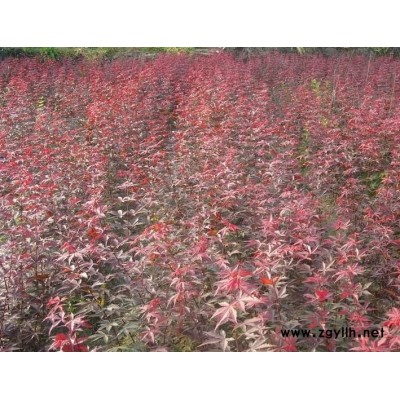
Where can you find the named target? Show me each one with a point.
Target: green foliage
(183, 343)
(381, 51)
(315, 86)
(303, 150)
(73, 302)
(321, 88)
(375, 51)
(40, 104)
(55, 53)
(173, 50)
(372, 181)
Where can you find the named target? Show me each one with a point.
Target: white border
(198, 375)
(198, 24)
(206, 23)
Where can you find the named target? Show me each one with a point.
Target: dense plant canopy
(199, 203)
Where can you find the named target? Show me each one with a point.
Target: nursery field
(200, 203)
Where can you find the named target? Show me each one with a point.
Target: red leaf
(60, 340)
(322, 294)
(94, 233)
(269, 281)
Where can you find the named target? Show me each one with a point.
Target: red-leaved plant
(199, 203)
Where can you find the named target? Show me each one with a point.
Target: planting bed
(199, 203)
